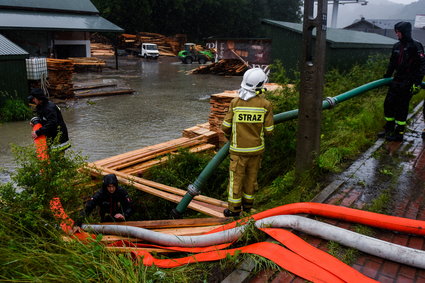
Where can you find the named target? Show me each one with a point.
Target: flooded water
(167, 101)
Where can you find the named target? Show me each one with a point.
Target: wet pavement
(396, 170)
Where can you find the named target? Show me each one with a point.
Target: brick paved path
(397, 170)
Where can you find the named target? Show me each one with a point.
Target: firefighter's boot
(398, 134)
(388, 130)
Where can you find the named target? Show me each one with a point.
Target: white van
(149, 50)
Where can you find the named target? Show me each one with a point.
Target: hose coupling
(192, 190)
(332, 101)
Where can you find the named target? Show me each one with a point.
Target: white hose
(383, 249)
(226, 236)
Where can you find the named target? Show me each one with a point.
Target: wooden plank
(176, 191)
(119, 164)
(82, 87)
(129, 180)
(107, 161)
(172, 223)
(192, 231)
(105, 93)
(141, 168)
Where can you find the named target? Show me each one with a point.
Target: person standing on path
(51, 119)
(408, 62)
(250, 116)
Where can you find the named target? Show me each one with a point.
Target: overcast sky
(403, 1)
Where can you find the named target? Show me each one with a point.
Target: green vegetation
(198, 19)
(33, 248)
(13, 109)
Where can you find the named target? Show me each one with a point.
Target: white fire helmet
(254, 79)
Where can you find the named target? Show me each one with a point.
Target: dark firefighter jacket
(110, 204)
(52, 121)
(407, 57)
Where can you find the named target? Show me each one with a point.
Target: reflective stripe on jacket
(246, 122)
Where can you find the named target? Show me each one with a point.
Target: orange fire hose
(301, 259)
(40, 143)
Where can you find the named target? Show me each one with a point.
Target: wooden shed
(344, 48)
(12, 70)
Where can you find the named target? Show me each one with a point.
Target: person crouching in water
(114, 201)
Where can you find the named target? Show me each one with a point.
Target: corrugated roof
(7, 47)
(28, 20)
(342, 37)
(70, 5)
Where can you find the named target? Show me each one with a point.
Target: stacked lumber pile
(101, 49)
(82, 63)
(138, 161)
(60, 78)
(219, 106)
(224, 67)
(167, 46)
(209, 206)
(204, 130)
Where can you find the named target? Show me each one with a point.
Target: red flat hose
(40, 143)
(301, 259)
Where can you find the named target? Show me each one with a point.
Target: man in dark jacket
(408, 62)
(114, 202)
(51, 119)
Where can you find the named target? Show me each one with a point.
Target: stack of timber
(167, 46)
(87, 91)
(83, 63)
(209, 206)
(219, 106)
(224, 67)
(130, 166)
(101, 49)
(60, 74)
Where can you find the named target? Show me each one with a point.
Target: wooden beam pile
(209, 206)
(224, 67)
(138, 161)
(60, 78)
(204, 130)
(167, 46)
(82, 63)
(101, 49)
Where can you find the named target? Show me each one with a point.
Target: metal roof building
(344, 48)
(12, 70)
(385, 27)
(51, 27)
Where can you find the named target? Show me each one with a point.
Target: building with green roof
(51, 27)
(344, 48)
(12, 70)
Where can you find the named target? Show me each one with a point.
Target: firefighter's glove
(415, 88)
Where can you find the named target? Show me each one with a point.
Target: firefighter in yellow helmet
(250, 116)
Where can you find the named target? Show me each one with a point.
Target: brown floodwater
(166, 101)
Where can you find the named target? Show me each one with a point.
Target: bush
(14, 109)
(36, 182)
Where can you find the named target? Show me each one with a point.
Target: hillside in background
(376, 9)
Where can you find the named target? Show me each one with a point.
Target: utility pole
(312, 79)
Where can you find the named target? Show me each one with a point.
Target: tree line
(198, 19)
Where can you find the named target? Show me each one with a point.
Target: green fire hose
(195, 188)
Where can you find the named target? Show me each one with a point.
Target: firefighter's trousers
(243, 172)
